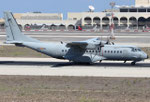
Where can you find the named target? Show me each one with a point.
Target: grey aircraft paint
(88, 51)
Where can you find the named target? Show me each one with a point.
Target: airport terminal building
(124, 17)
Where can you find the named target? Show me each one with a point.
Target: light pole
(112, 4)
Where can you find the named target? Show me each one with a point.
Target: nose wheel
(133, 63)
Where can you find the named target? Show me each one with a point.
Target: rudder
(13, 31)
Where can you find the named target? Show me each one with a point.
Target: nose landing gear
(100, 61)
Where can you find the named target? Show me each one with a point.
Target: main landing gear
(133, 63)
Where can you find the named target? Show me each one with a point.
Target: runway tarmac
(54, 67)
(140, 40)
(137, 39)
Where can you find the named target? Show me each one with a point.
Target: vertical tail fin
(13, 31)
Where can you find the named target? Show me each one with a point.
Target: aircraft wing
(90, 43)
(81, 45)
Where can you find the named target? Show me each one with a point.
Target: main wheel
(133, 63)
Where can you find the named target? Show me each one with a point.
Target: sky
(57, 6)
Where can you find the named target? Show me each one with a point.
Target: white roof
(131, 6)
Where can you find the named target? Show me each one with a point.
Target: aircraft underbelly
(85, 58)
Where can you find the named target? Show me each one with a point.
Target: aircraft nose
(145, 56)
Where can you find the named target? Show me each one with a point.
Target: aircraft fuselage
(108, 52)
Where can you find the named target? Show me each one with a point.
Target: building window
(141, 10)
(74, 18)
(123, 10)
(132, 10)
(148, 10)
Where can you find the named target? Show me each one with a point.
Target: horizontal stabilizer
(13, 42)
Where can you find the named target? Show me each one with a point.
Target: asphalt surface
(54, 67)
(137, 39)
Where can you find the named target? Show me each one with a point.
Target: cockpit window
(139, 49)
(136, 49)
(133, 49)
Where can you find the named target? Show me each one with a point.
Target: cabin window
(114, 51)
(90, 51)
(62, 50)
(108, 51)
(65, 50)
(120, 51)
(105, 51)
(111, 51)
(117, 51)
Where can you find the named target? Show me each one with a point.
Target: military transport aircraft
(88, 51)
